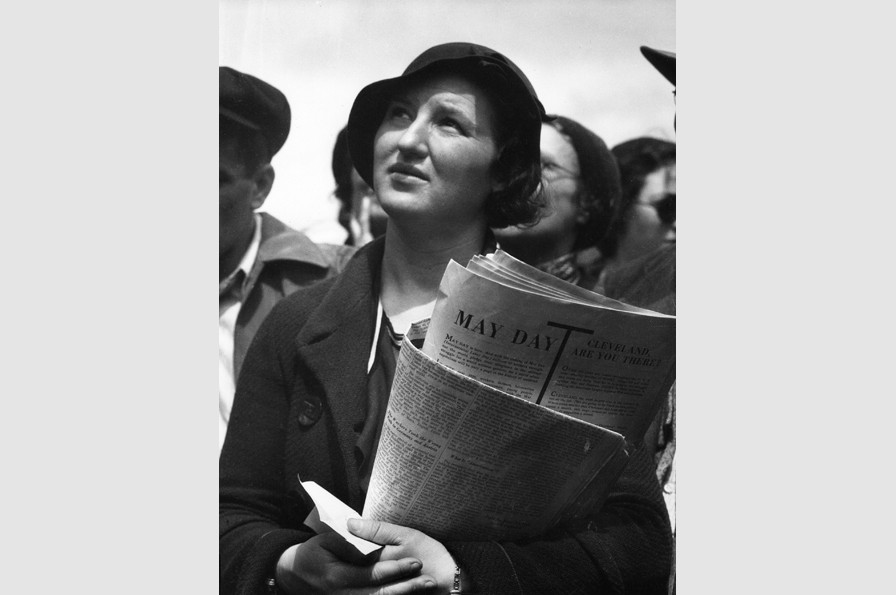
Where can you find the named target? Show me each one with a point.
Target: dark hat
(493, 71)
(600, 178)
(254, 103)
(662, 61)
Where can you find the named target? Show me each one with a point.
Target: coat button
(309, 411)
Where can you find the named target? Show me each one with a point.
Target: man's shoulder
(328, 297)
(337, 255)
(355, 276)
(280, 242)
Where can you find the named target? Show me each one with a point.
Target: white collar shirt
(229, 303)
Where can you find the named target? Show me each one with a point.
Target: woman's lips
(402, 171)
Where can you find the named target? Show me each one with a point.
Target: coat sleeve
(252, 494)
(626, 547)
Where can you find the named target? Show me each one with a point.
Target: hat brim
(363, 122)
(231, 115)
(662, 60)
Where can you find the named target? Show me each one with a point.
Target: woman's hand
(403, 543)
(327, 564)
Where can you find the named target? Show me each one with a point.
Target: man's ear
(264, 180)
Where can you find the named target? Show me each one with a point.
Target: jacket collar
(351, 300)
(280, 242)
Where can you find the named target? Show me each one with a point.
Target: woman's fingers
(350, 571)
(378, 531)
(393, 570)
(342, 549)
(420, 584)
(403, 542)
(391, 577)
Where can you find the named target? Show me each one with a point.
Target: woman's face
(645, 230)
(556, 230)
(433, 152)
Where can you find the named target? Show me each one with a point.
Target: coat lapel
(335, 346)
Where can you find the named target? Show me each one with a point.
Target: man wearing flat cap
(260, 259)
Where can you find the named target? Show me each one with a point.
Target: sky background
(581, 56)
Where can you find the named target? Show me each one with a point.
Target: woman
(360, 212)
(639, 247)
(638, 263)
(582, 189)
(451, 148)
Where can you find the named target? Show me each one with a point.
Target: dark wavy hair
(637, 158)
(518, 198)
(599, 190)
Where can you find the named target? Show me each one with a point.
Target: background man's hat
(662, 60)
(256, 104)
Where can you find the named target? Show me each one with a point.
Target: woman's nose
(413, 139)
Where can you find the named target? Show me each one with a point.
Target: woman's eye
(452, 123)
(398, 112)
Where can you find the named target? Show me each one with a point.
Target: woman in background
(638, 251)
(360, 213)
(639, 265)
(581, 182)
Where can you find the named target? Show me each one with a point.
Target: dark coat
(299, 399)
(646, 282)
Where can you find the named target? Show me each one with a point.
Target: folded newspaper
(515, 407)
(521, 407)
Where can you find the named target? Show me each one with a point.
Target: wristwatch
(455, 590)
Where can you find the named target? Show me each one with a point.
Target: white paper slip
(332, 514)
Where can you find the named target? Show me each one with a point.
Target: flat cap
(256, 104)
(662, 60)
